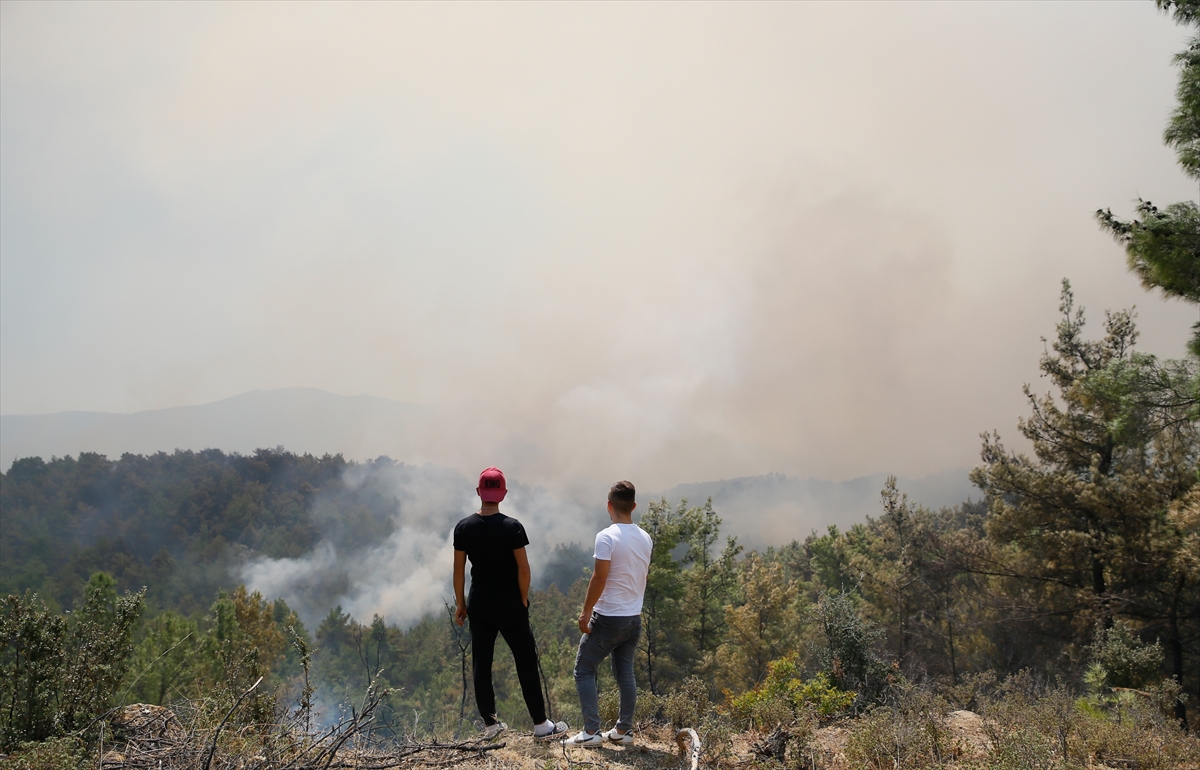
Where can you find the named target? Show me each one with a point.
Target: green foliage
(32, 657)
(1146, 397)
(709, 577)
(1163, 250)
(848, 657)
(50, 754)
(829, 561)
(684, 613)
(1122, 659)
(760, 627)
(96, 652)
(1083, 529)
(783, 695)
(1163, 246)
(1183, 130)
(662, 615)
(56, 674)
(165, 658)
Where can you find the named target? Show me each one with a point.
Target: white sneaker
(552, 730)
(584, 738)
(613, 736)
(491, 731)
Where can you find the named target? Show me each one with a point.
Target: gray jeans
(617, 637)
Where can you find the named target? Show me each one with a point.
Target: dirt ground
(655, 748)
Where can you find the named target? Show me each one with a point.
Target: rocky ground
(149, 737)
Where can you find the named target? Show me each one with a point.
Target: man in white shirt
(611, 620)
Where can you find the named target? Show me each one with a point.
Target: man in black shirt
(498, 604)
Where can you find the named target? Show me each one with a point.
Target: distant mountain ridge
(762, 510)
(301, 419)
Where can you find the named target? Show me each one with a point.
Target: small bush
(57, 675)
(51, 754)
(969, 690)
(848, 657)
(784, 695)
(911, 733)
(1118, 658)
(1031, 725)
(687, 705)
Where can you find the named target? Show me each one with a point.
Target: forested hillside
(178, 523)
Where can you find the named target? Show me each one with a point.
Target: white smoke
(409, 574)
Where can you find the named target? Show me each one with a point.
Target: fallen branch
(682, 738)
(382, 762)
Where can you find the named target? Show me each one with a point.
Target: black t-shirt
(489, 542)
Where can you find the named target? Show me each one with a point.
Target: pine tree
(709, 578)
(664, 642)
(758, 627)
(1163, 246)
(1082, 529)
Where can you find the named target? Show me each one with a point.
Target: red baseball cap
(492, 488)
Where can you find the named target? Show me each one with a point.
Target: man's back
(627, 547)
(489, 542)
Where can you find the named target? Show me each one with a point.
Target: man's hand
(595, 587)
(460, 614)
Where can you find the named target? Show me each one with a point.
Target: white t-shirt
(627, 547)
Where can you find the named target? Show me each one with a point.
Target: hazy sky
(671, 242)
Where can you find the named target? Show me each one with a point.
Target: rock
(967, 726)
(831, 743)
(142, 721)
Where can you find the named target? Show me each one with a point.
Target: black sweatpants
(510, 620)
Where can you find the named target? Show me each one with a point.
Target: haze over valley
(402, 571)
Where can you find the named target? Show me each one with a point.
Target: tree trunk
(1177, 649)
(1099, 588)
(950, 637)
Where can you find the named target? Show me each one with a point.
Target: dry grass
(656, 750)
(1018, 727)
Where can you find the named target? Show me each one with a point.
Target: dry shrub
(1038, 726)
(969, 690)
(687, 705)
(912, 732)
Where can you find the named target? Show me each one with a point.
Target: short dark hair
(622, 496)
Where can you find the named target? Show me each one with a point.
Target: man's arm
(595, 588)
(460, 583)
(522, 574)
